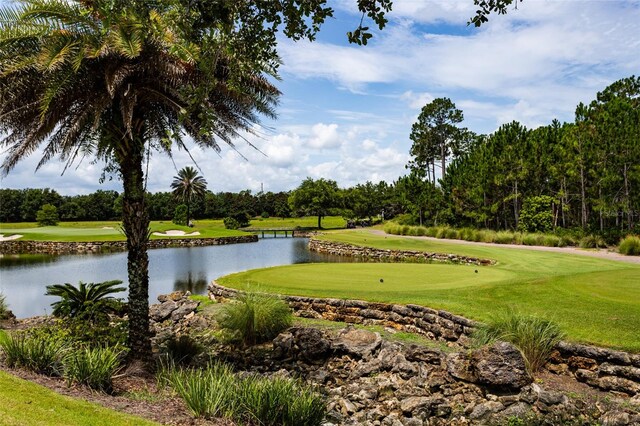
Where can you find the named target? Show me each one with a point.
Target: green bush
(88, 301)
(231, 223)
(536, 214)
(216, 392)
(180, 215)
(551, 240)
(256, 317)
(504, 237)
(182, 350)
(47, 215)
(35, 353)
(94, 367)
(592, 241)
(534, 337)
(630, 245)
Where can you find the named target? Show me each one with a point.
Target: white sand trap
(175, 233)
(107, 227)
(10, 237)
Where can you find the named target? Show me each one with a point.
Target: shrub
(47, 215)
(534, 337)
(592, 241)
(89, 302)
(280, 401)
(536, 214)
(231, 223)
(451, 234)
(180, 215)
(421, 231)
(488, 236)
(94, 367)
(256, 317)
(182, 350)
(551, 241)
(630, 245)
(264, 215)
(36, 353)
(216, 392)
(504, 237)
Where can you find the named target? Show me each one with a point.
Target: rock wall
(600, 368)
(381, 255)
(59, 247)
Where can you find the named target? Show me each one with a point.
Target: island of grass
(595, 301)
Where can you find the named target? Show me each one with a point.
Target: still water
(23, 278)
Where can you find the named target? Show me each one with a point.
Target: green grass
(25, 404)
(109, 231)
(593, 300)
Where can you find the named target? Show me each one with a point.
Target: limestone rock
(358, 342)
(501, 365)
(161, 312)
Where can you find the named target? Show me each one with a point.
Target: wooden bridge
(275, 231)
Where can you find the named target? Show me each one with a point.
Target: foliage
(535, 337)
(216, 392)
(180, 215)
(536, 214)
(47, 215)
(87, 301)
(94, 367)
(436, 136)
(315, 197)
(231, 223)
(592, 241)
(256, 317)
(4, 308)
(630, 245)
(35, 353)
(182, 350)
(188, 186)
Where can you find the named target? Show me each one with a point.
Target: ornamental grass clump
(216, 391)
(36, 353)
(4, 308)
(94, 367)
(534, 337)
(630, 245)
(256, 317)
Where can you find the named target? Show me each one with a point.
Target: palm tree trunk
(135, 221)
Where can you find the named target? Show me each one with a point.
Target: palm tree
(76, 301)
(188, 186)
(117, 80)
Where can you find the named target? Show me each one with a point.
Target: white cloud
(324, 136)
(416, 100)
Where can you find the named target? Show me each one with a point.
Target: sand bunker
(10, 237)
(175, 233)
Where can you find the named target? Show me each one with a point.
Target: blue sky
(346, 111)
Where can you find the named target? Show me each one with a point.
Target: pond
(23, 278)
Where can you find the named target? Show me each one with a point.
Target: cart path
(600, 253)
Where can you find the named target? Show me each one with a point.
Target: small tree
(315, 197)
(47, 215)
(180, 215)
(188, 187)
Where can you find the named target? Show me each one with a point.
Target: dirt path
(599, 253)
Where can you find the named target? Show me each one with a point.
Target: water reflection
(18, 260)
(196, 285)
(23, 279)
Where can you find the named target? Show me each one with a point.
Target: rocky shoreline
(386, 255)
(63, 247)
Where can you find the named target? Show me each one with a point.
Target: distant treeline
(21, 205)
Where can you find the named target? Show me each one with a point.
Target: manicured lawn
(23, 403)
(109, 231)
(594, 301)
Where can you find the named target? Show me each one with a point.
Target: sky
(346, 111)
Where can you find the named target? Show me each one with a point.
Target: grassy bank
(111, 230)
(594, 301)
(25, 403)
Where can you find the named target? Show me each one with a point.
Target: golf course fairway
(594, 301)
